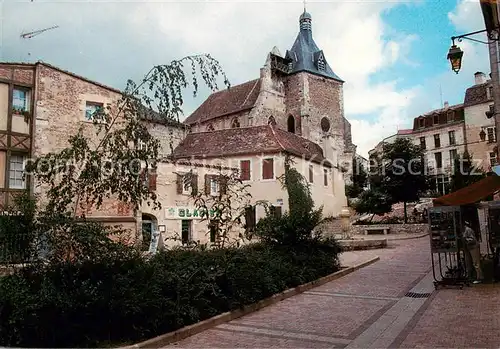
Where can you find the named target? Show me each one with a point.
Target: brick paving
(468, 318)
(367, 306)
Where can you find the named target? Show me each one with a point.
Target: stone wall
(394, 228)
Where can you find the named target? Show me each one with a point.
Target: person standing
(472, 246)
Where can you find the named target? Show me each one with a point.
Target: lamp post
(455, 55)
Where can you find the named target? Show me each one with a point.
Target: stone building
(293, 110)
(480, 130)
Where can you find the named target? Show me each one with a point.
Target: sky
(391, 54)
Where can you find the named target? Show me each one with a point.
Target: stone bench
(376, 228)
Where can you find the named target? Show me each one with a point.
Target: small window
(450, 116)
(490, 92)
(271, 120)
(268, 168)
(16, 172)
(311, 174)
(186, 231)
(325, 177)
(453, 156)
(210, 127)
(439, 160)
(421, 123)
(235, 123)
(20, 100)
(245, 170)
(492, 131)
(422, 143)
(493, 158)
(451, 136)
(325, 124)
(214, 186)
(92, 111)
(437, 141)
(436, 119)
(291, 124)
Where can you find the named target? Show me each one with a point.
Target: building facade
(449, 132)
(479, 124)
(294, 110)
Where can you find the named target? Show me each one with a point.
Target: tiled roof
(232, 100)
(266, 139)
(476, 94)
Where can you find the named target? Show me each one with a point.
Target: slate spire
(305, 54)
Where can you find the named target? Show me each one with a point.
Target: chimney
(446, 104)
(480, 78)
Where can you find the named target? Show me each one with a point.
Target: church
(293, 109)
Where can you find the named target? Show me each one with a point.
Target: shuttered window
(245, 170)
(268, 168)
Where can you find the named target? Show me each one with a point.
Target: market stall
(459, 251)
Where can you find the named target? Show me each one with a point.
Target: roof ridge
(250, 92)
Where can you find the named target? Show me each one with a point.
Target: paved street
(369, 309)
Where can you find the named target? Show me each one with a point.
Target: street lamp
(455, 57)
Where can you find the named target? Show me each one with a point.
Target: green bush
(114, 301)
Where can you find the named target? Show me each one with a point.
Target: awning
(470, 194)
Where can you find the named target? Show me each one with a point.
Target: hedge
(117, 302)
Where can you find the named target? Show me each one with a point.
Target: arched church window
(291, 124)
(235, 123)
(325, 124)
(210, 127)
(271, 120)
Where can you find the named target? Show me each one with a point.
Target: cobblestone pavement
(367, 308)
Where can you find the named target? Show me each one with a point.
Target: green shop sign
(187, 213)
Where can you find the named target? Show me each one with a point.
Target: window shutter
(152, 181)
(245, 170)
(207, 184)
(194, 184)
(179, 183)
(223, 184)
(267, 169)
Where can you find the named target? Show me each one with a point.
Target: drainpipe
(493, 49)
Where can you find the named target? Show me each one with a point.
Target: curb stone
(188, 331)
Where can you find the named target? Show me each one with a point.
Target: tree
(359, 180)
(111, 164)
(404, 178)
(295, 227)
(373, 202)
(223, 211)
(464, 172)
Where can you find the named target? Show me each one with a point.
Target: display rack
(448, 258)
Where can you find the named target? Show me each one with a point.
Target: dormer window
(210, 127)
(451, 116)
(421, 122)
(321, 63)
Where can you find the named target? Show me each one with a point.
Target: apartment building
(441, 134)
(479, 125)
